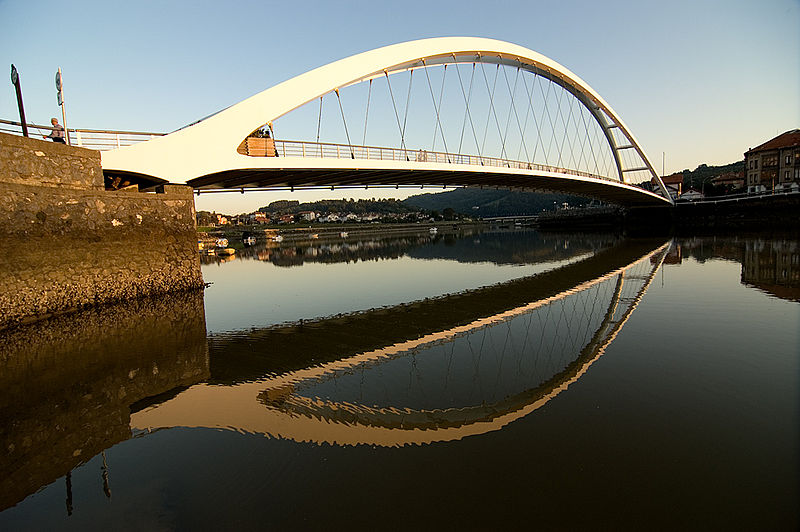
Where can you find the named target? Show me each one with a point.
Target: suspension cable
(408, 104)
(436, 109)
(514, 108)
(441, 94)
(319, 124)
(366, 114)
(350, 144)
(559, 97)
(591, 143)
(492, 111)
(511, 109)
(525, 122)
(396, 115)
(549, 118)
(319, 120)
(572, 147)
(538, 142)
(467, 114)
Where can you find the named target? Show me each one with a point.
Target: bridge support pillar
(69, 243)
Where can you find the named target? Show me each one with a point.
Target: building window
(756, 161)
(786, 175)
(788, 159)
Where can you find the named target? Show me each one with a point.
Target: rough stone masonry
(67, 243)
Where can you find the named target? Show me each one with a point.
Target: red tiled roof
(785, 140)
(673, 179)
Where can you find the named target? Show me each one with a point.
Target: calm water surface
(483, 379)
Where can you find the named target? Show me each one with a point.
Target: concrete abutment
(68, 243)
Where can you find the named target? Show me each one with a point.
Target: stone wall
(68, 243)
(778, 211)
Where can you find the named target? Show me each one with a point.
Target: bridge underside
(305, 178)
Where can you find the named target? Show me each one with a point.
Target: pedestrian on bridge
(57, 135)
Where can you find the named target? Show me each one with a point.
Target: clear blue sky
(700, 80)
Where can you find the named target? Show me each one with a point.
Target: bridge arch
(209, 146)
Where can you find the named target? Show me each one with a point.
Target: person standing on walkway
(57, 135)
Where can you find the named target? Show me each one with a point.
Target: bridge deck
(298, 165)
(300, 177)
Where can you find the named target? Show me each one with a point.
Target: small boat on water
(315, 235)
(226, 251)
(433, 230)
(343, 234)
(222, 242)
(249, 240)
(276, 238)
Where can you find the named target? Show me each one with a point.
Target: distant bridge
(443, 112)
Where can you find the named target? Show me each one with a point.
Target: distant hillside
(704, 173)
(487, 203)
(362, 206)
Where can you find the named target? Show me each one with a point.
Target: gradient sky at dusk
(701, 81)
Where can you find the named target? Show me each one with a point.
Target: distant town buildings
(730, 181)
(210, 219)
(674, 184)
(691, 194)
(774, 165)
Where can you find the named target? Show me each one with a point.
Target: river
(483, 378)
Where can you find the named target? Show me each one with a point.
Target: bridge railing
(95, 139)
(292, 148)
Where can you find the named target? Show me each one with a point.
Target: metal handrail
(95, 139)
(293, 148)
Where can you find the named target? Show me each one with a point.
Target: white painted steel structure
(205, 153)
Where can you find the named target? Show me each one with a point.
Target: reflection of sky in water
(258, 294)
(481, 367)
(701, 384)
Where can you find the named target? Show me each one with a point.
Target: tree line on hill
(701, 177)
(482, 203)
(362, 206)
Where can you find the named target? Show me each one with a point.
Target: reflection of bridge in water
(437, 376)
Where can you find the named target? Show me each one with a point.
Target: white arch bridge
(444, 112)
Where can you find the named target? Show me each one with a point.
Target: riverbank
(779, 211)
(329, 232)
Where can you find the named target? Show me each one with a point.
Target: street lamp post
(60, 89)
(18, 89)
